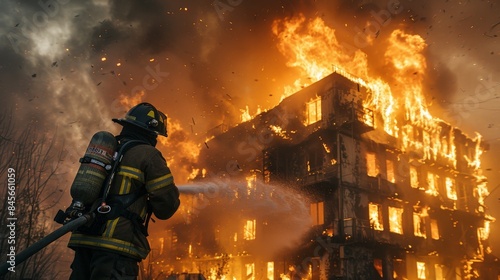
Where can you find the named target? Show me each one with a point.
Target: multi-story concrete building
(400, 202)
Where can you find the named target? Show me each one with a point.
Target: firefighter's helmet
(145, 116)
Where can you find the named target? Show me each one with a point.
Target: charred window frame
(317, 211)
(375, 215)
(313, 110)
(372, 165)
(390, 171)
(250, 270)
(432, 183)
(270, 270)
(435, 229)
(249, 230)
(451, 190)
(314, 158)
(438, 270)
(414, 177)
(396, 219)
(421, 270)
(419, 222)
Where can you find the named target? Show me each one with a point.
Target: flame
(475, 161)
(419, 228)
(249, 230)
(451, 189)
(371, 165)
(375, 217)
(313, 111)
(313, 48)
(251, 183)
(128, 101)
(278, 130)
(482, 190)
(421, 274)
(270, 270)
(245, 114)
(306, 45)
(484, 232)
(180, 151)
(327, 149)
(194, 173)
(396, 220)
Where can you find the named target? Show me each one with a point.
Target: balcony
(356, 119)
(357, 230)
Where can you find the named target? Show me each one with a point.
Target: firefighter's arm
(163, 194)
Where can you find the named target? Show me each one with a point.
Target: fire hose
(42, 243)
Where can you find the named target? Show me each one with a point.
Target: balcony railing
(357, 230)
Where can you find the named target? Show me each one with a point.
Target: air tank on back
(94, 168)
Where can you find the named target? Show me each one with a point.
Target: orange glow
(179, 153)
(250, 271)
(249, 230)
(129, 101)
(245, 114)
(451, 189)
(484, 232)
(375, 213)
(434, 229)
(419, 222)
(278, 130)
(193, 174)
(313, 111)
(396, 220)
(482, 190)
(251, 183)
(432, 181)
(414, 177)
(327, 149)
(313, 48)
(421, 273)
(371, 165)
(270, 270)
(475, 161)
(317, 211)
(391, 177)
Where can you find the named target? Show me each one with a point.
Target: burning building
(379, 188)
(381, 206)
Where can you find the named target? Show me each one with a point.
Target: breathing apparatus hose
(42, 243)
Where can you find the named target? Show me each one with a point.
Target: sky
(70, 66)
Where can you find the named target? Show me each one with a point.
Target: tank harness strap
(87, 159)
(120, 203)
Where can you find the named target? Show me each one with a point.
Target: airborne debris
(34, 75)
(54, 64)
(207, 145)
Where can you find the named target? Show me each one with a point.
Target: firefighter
(144, 182)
